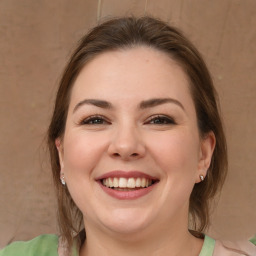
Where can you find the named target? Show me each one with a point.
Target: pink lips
(130, 194)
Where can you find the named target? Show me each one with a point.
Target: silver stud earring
(62, 179)
(201, 177)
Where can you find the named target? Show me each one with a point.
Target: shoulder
(253, 240)
(44, 245)
(238, 248)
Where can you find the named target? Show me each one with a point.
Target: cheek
(179, 151)
(178, 162)
(81, 152)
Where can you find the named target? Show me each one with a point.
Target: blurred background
(36, 39)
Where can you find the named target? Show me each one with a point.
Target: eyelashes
(94, 120)
(153, 120)
(161, 120)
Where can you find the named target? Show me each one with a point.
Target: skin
(127, 137)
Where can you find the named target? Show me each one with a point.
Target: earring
(62, 179)
(201, 177)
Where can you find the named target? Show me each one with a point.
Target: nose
(126, 144)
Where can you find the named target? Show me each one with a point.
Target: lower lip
(127, 195)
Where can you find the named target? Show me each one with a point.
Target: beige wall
(36, 38)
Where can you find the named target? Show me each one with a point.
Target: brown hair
(130, 32)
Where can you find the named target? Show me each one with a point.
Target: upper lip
(125, 174)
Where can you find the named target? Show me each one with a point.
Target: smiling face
(131, 151)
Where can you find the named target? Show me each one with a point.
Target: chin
(127, 221)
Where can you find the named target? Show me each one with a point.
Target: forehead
(135, 73)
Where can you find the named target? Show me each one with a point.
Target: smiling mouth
(127, 184)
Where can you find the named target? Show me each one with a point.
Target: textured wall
(36, 38)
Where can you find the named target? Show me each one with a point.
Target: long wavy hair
(126, 33)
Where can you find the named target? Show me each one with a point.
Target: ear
(59, 146)
(207, 146)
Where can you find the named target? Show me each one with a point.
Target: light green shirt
(47, 245)
(208, 247)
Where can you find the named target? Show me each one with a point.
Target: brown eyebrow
(159, 101)
(144, 104)
(95, 102)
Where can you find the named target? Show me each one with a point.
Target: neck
(161, 241)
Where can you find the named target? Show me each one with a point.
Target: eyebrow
(94, 102)
(159, 101)
(144, 104)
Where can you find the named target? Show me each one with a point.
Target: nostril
(126, 156)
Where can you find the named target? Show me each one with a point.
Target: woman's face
(131, 152)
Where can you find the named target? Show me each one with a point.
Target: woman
(137, 147)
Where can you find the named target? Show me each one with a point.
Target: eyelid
(169, 119)
(83, 120)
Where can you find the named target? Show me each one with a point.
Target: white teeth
(115, 182)
(127, 183)
(131, 183)
(143, 182)
(138, 183)
(110, 183)
(122, 183)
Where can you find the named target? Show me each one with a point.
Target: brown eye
(94, 120)
(161, 120)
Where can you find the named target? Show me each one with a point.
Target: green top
(47, 245)
(208, 247)
(253, 240)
